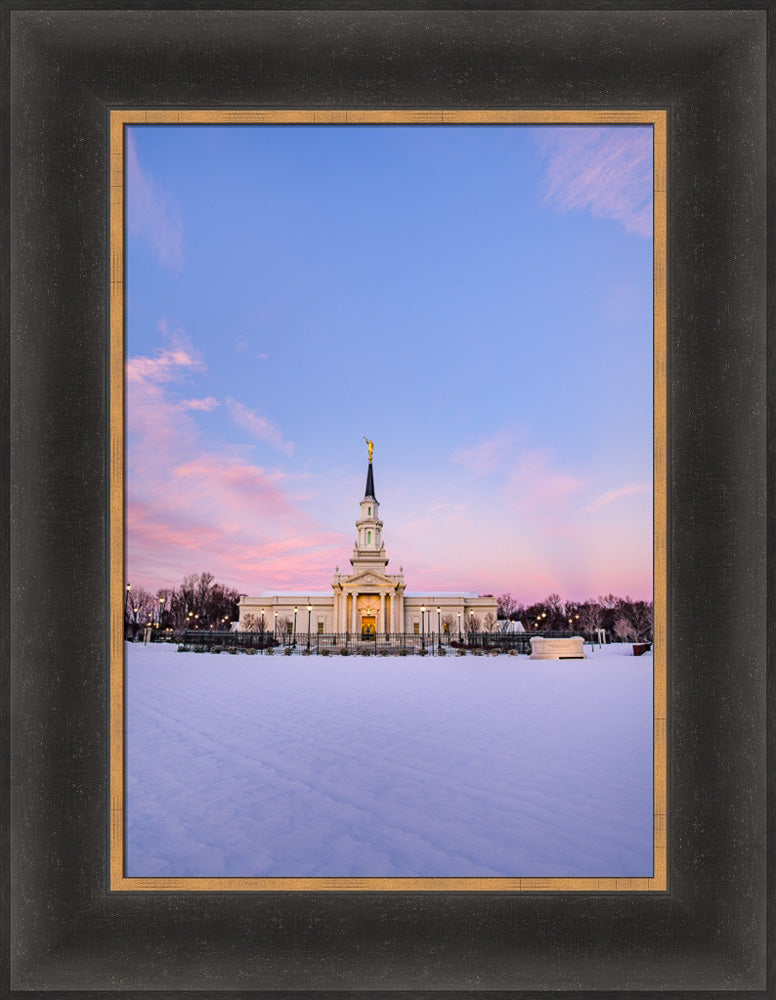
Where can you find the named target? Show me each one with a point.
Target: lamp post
(459, 626)
(161, 611)
(423, 625)
(275, 627)
(262, 621)
(309, 612)
(439, 626)
(294, 637)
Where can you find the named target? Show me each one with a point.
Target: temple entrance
(367, 627)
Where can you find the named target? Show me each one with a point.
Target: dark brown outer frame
(66, 932)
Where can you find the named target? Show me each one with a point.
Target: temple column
(382, 611)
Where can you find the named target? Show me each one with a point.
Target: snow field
(387, 766)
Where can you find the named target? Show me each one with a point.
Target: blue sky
(475, 299)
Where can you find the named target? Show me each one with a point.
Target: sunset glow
(475, 299)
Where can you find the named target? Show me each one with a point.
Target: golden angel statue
(370, 445)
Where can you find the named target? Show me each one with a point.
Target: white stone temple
(368, 600)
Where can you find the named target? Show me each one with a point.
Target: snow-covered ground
(388, 766)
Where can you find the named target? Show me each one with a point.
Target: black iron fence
(397, 643)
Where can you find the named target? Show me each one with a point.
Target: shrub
(215, 649)
(200, 649)
(183, 648)
(288, 651)
(460, 652)
(249, 651)
(422, 652)
(269, 651)
(233, 650)
(442, 651)
(324, 652)
(344, 651)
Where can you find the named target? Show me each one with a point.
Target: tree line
(200, 602)
(623, 618)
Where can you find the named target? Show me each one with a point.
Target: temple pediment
(368, 578)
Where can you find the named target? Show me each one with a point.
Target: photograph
(388, 608)
(387, 576)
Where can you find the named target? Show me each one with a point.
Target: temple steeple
(369, 551)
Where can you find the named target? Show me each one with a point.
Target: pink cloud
(170, 364)
(190, 508)
(208, 404)
(258, 426)
(534, 484)
(607, 171)
(487, 453)
(151, 214)
(631, 489)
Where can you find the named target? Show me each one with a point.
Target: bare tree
(141, 607)
(623, 629)
(640, 616)
(448, 625)
(590, 616)
(252, 623)
(507, 605)
(489, 621)
(472, 624)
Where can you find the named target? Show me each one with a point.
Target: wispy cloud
(169, 364)
(151, 213)
(207, 404)
(487, 453)
(605, 170)
(191, 507)
(535, 484)
(629, 490)
(258, 426)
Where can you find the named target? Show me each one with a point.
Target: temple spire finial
(370, 445)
